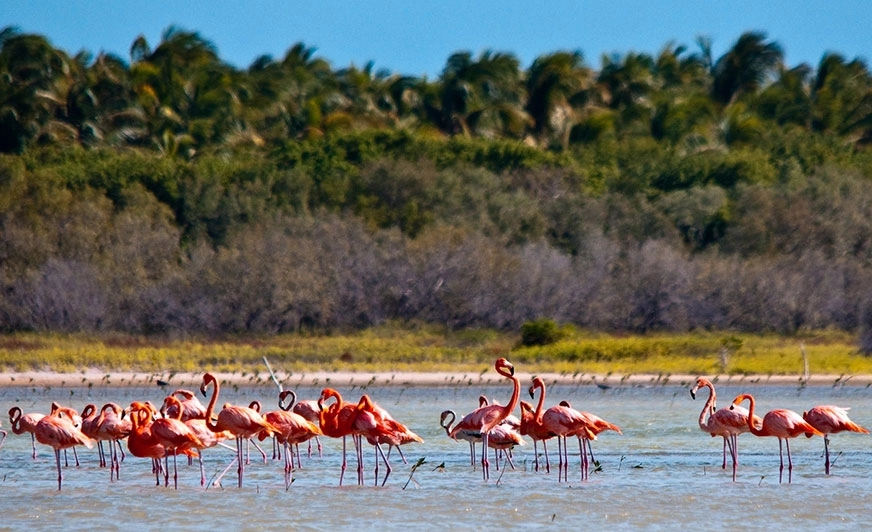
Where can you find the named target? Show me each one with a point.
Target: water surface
(662, 473)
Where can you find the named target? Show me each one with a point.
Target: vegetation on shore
(429, 349)
(170, 195)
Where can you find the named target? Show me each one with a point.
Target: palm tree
(31, 89)
(482, 96)
(746, 67)
(841, 94)
(185, 91)
(558, 88)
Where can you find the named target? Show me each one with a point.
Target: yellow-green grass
(429, 349)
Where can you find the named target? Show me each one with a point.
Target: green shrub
(542, 331)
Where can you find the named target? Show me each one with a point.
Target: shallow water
(661, 474)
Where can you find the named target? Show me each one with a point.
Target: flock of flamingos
(183, 426)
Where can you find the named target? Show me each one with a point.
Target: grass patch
(430, 349)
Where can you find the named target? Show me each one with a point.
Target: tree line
(174, 194)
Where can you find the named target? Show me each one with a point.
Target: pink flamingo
(22, 423)
(175, 437)
(188, 407)
(336, 420)
(485, 418)
(377, 425)
(446, 419)
(309, 410)
(725, 422)
(110, 426)
(58, 432)
(293, 430)
(199, 428)
(563, 420)
(781, 423)
(530, 427)
(242, 422)
(829, 420)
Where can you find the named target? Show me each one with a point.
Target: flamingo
(829, 420)
(485, 418)
(446, 419)
(22, 423)
(73, 415)
(3, 438)
(199, 428)
(188, 406)
(562, 420)
(110, 426)
(337, 421)
(293, 430)
(530, 427)
(141, 442)
(58, 432)
(781, 423)
(378, 426)
(503, 438)
(309, 410)
(89, 417)
(725, 422)
(175, 437)
(241, 421)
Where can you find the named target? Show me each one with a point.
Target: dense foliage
(173, 193)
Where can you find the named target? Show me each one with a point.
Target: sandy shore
(408, 379)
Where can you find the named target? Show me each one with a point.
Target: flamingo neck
(703, 422)
(516, 393)
(754, 430)
(15, 421)
(447, 426)
(538, 414)
(212, 425)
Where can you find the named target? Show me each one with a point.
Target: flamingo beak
(693, 393)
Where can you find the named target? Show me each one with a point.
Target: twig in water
(421, 461)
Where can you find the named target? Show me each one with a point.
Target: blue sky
(417, 37)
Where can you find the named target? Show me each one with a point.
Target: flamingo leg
(202, 469)
(3, 439)
(508, 455)
(240, 446)
(827, 453)
(781, 458)
(120, 449)
(734, 452)
(585, 466)
(344, 462)
(547, 460)
(60, 471)
(76, 456)
(358, 448)
(789, 462)
(388, 468)
(590, 450)
(485, 464)
(536, 455)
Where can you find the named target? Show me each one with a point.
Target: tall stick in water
(272, 375)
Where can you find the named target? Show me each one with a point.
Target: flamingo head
(503, 364)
